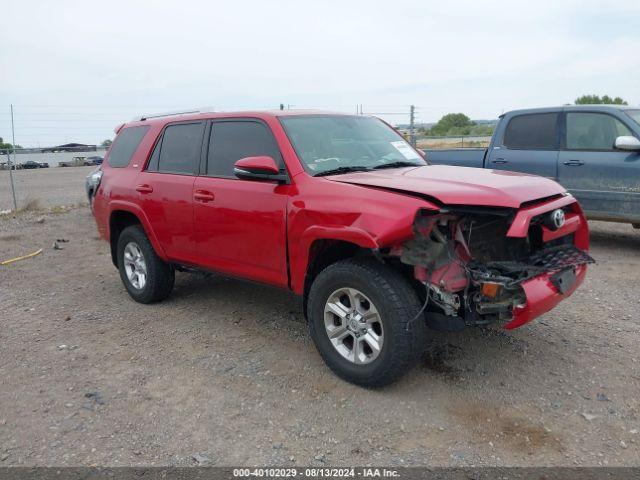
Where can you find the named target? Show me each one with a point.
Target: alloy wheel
(135, 265)
(353, 325)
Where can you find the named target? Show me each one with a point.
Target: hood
(458, 185)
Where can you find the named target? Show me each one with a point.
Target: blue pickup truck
(592, 150)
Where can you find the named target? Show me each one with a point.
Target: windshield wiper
(398, 164)
(335, 171)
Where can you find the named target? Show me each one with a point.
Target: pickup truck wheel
(361, 319)
(145, 276)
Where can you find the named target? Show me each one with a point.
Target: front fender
(300, 260)
(370, 218)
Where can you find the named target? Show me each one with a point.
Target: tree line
(7, 146)
(458, 124)
(455, 124)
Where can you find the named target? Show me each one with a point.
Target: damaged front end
(486, 265)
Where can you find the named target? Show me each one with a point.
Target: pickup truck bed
(460, 157)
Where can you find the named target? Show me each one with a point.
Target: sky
(75, 69)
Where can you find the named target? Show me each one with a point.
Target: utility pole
(412, 125)
(11, 164)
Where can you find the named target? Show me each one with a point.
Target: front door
(605, 181)
(240, 225)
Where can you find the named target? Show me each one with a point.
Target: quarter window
(125, 145)
(155, 157)
(593, 131)
(232, 140)
(180, 148)
(532, 132)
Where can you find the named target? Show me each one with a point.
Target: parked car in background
(74, 162)
(90, 161)
(341, 210)
(10, 165)
(30, 164)
(591, 150)
(91, 184)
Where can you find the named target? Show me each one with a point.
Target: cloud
(477, 57)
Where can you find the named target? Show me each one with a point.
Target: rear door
(530, 144)
(240, 225)
(165, 188)
(606, 181)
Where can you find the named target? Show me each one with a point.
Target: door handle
(499, 161)
(574, 163)
(144, 188)
(203, 196)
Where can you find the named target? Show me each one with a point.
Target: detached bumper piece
(511, 274)
(566, 268)
(530, 287)
(558, 258)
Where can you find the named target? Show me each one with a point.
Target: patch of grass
(59, 209)
(452, 144)
(31, 205)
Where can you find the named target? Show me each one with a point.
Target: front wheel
(145, 276)
(362, 318)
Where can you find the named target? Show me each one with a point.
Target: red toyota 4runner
(341, 210)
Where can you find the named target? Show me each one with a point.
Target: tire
(159, 276)
(403, 336)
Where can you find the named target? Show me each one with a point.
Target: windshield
(634, 114)
(327, 143)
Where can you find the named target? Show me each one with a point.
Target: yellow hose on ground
(7, 262)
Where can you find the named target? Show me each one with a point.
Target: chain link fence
(453, 141)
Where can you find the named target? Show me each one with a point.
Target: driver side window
(593, 131)
(232, 140)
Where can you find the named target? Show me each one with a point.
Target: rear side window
(230, 141)
(593, 131)
(180, 148)
(532, 132)
(125, 146)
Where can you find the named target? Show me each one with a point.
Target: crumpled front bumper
(542, 295)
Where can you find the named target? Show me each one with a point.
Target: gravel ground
(224, 373)
(52, 187)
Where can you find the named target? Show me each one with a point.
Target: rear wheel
(145, 276)
(362, 318)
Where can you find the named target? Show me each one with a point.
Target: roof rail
(172, 113)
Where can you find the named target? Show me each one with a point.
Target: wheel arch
(324, 252)
(123, 216)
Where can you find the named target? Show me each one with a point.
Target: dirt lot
(224, 373)
(53, 186)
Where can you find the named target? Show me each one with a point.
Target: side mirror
(628, 143)
(258, 168)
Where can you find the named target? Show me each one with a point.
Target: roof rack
(172, 113)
